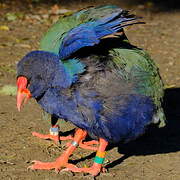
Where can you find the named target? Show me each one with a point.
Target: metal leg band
(74, 143)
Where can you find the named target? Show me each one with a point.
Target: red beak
(23, 94)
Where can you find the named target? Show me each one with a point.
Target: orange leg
(53, 135)
(86, 145)
(62, 161)
(96, 168)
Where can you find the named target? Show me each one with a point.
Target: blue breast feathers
(118, 122)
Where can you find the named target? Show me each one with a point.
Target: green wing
(52, 39)
(135, 65)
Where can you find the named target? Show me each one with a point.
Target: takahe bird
(89, 74)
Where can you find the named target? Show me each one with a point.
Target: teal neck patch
(74, 67)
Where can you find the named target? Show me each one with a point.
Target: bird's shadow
(155, 140)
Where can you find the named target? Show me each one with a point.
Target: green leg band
(99, 160)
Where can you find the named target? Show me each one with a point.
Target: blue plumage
(90, 33)
(120, 117)
(92, 92)
(123, 123)
(135, 116)
(106, 87)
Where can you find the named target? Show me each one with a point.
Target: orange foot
(55, 138)
(53, 135)
(94, 170)
(57, 165)
(61, 161)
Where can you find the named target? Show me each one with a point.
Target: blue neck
(63, 106)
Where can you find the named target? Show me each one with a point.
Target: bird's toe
(92, 170)
(43, 165)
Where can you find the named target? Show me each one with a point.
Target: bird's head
(36, 72)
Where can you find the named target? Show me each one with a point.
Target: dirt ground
(154, 156)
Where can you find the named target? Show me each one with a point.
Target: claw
(31, 167)
(35, 161)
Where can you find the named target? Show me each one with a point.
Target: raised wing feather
(52, 39)
(90, 33)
